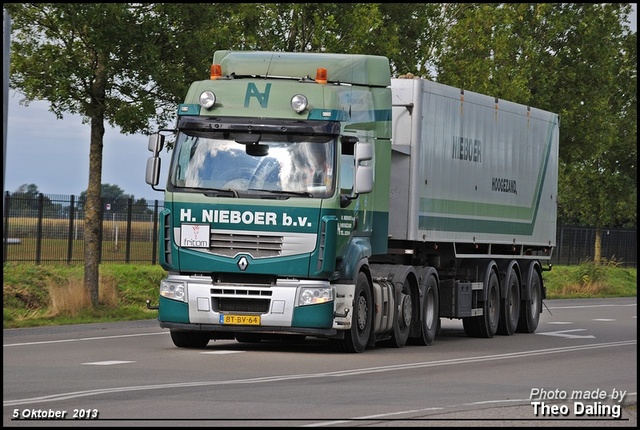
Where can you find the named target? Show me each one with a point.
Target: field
(56, 241)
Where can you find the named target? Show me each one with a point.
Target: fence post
(70, 232)
(5, 234)
(100, 233)
(39, 232)
(155, 233)
(559, 243)
(128, 246)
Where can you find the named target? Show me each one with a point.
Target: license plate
(240, 319)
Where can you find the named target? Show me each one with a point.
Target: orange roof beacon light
(321, 75)
(216, 71)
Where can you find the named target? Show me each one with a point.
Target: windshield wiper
(284, 192)
(216, 192)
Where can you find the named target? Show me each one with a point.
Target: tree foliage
(578, 60)
(27, 199)
(102, 61)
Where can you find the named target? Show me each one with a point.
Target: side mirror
(364, 172)
(156, 143)
(152, 174)
(363, 152)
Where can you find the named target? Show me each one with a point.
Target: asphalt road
(578, 370)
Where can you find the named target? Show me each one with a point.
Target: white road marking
(311, 376)
(107, 363)
(563, 333)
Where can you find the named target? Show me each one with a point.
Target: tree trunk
(597, 248)
(93, 214)
(93, 209)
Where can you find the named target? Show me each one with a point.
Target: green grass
(41, 295)
(588, 280)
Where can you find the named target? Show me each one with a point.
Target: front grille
(258, 246)
(244, 279)
(248, 293)
(226, 304)
(233, 291)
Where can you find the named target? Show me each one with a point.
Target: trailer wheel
(510, 309)
(531, 307)
(357, 337)
(486, 325)
(189, 339)
(404, 316)
(430, 317)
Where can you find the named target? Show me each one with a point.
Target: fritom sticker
(195, 235)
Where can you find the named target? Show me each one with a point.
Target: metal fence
(576, 244)
(50, 229)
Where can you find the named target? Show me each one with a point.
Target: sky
(54, 154)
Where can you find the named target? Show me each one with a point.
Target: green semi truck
(311, 195)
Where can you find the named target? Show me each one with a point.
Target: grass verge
(44, 295)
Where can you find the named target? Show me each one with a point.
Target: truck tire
(532, 305)
(404, 316)
(486, 325)
(356, 338)
(430, 312)
(189, 339)
(510, 304)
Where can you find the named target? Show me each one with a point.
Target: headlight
(299, 103)
(173, 290)
(314, 295)
(207, 99)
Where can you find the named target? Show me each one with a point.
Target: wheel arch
(533, 265)
(483, 269)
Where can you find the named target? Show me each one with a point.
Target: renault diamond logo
(243, 263)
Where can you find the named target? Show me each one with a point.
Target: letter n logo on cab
(252, 91)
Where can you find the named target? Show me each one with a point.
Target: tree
(597, 95)
(110, 194)
(27, 199)
(108, 62)
(129, 64)
(578, 60)
(30, 190)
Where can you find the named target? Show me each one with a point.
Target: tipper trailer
(310, 194)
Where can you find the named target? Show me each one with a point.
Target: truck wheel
(430, 317)
(486, 325)
(531, 307)
(510, 310)
(189, 339)
(357, 337)
(404, 315)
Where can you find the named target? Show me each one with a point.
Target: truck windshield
(300, 165)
